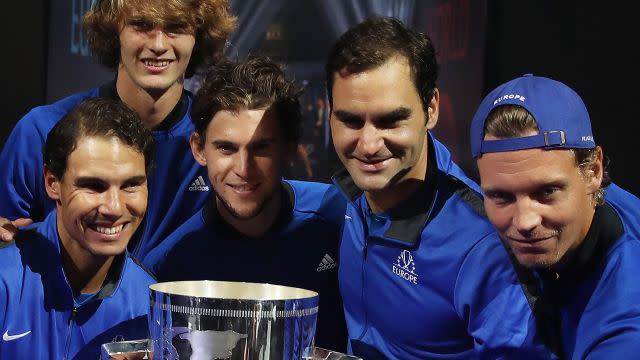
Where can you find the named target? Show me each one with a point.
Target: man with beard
(152, 45)
(258, 227)
(551, 200)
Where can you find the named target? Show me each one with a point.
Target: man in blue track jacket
(153, 45)
(257, 227)
(423, 274)
(67, 284)
(552, 202)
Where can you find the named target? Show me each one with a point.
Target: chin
(537, 261)
(107, 251)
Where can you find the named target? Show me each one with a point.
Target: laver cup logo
(405, 267)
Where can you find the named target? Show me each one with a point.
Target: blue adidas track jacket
(178, 185)
(430, 279)
(38, 316)
(300, 250)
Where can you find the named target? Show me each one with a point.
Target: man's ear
(433, 110)
(51, 184)
(593, 172)
(196, 148)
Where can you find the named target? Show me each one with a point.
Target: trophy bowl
(200, 320)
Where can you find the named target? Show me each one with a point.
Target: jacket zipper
(74, 312)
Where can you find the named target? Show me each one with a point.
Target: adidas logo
(327, 263)
(199, 185)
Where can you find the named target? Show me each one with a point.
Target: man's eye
(93, 186)
(141, 25)
(177, 28)
(261, 146)
(225, 149)
(352, 122)
(549, 192)
(498, 197)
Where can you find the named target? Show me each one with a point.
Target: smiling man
(422, 274)
(552, 202)
(66, 284)
(152, 45)
(257, 227)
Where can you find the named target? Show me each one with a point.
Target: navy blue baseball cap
(562, 117)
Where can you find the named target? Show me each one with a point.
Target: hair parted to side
(210, 21)
(96, 117)
(255, 83)
(509, 121)
(376, 40)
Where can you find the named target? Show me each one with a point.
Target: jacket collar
(403, 224)
(63, 289)
(606, 227)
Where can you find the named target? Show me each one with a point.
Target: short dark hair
(376, 40)
(510, 121)
(255, 83)
(99, 117)
(210, 21)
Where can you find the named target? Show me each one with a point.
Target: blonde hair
(210, 21)
(510, 121)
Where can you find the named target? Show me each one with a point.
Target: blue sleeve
(489, 296)
(22, 192)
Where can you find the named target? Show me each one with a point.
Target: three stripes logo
(327, 263)
(199, 185)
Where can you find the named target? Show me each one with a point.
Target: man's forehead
(157, 11)
(526, 167)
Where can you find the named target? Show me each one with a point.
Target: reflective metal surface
(126, 350)
(200, 320)
(324, 354)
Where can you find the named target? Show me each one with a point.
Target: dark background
(587, 45)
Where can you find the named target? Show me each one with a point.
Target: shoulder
(627, 206)
(189, 229)
(313, 196)
(51, 113)
(137, 273)
(320, 199)
(41, 119)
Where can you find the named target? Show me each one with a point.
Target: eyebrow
(253, 141)
(399, 113)
(92, 179)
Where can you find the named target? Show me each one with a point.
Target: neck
(152, 106)
(565, 263)
(257, 225)
(400, 187)
(86, 273)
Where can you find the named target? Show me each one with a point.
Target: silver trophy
(207, 320)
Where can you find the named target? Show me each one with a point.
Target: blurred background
(480, 44)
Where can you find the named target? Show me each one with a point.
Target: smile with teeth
(109, 230)
(156, 63)
(243, 188)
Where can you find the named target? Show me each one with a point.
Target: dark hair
(99, 117)
(509, 121)
(255, 83)
(210, 21)
(376, 40)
